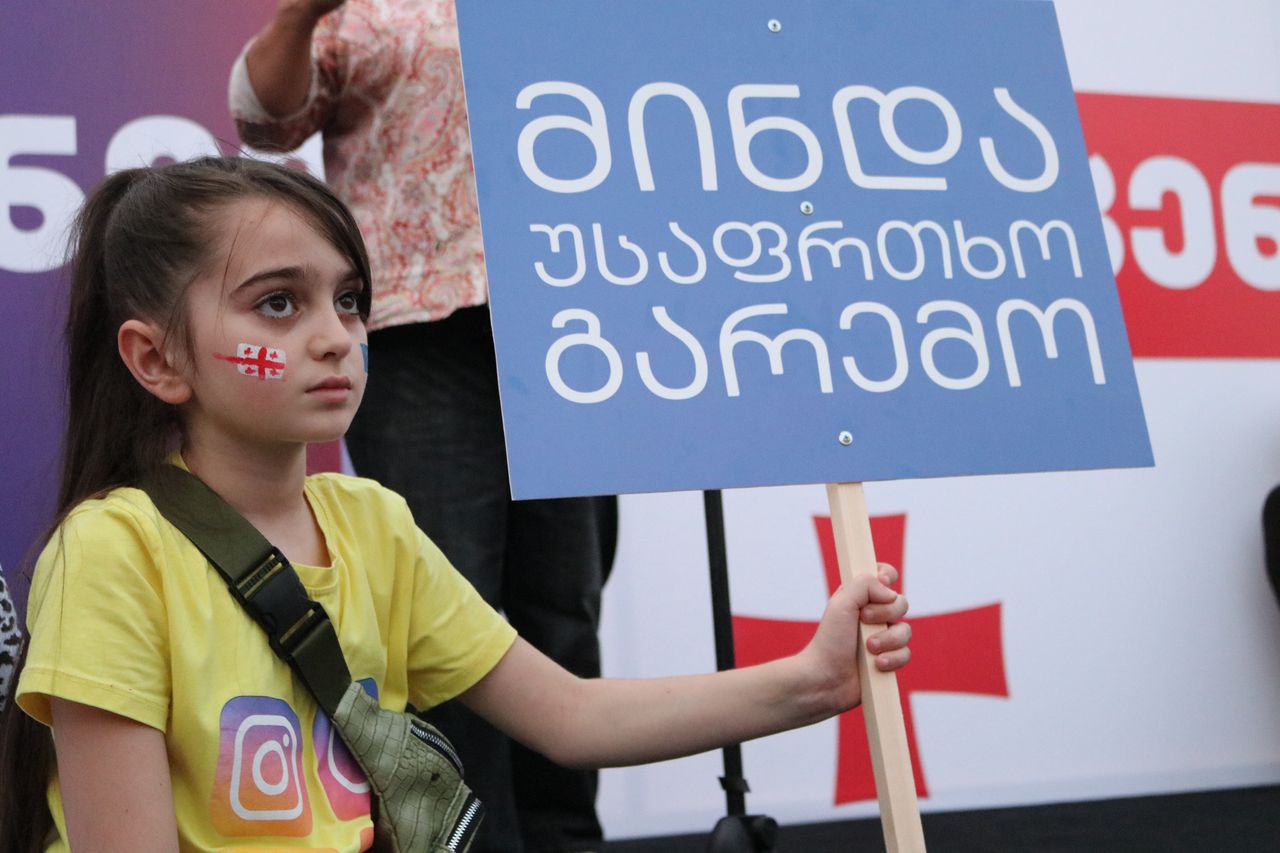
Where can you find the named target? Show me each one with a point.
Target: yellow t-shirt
(126, 615)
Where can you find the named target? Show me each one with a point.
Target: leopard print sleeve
(10, 642)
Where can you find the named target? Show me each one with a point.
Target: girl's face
(278, 345)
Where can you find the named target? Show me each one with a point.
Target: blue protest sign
(752, 243)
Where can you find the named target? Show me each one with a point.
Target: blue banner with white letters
(755, 243)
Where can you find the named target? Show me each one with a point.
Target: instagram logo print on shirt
(258, 788)
(343, 780)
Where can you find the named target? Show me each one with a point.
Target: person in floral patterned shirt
(381, 81)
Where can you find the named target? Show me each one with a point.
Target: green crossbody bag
(421, 803)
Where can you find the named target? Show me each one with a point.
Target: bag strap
(260, 578)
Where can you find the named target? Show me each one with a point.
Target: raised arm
(608, 722)
(279, 59)
(114, 777)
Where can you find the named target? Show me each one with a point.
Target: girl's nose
(333, 335)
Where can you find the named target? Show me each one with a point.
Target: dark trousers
(430, 428)
(1271, 538)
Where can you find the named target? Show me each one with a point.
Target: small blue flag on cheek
(364, 351)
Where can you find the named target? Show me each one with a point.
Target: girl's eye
(348, 303)
(277, 305)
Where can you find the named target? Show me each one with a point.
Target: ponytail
(116, 431)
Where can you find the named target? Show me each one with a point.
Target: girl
(217, 322)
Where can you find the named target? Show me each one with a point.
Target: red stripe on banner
(1191, 189)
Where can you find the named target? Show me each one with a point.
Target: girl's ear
(141, 348)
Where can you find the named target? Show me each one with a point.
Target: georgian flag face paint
(259, 362)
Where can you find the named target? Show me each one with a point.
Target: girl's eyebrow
(291, 273)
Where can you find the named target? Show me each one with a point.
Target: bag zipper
(440, 745)
(467, 824)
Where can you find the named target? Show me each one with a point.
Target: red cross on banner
(957, 652)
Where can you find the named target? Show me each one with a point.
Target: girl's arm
(606, 722)
(114, 777)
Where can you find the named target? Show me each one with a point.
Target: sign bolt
(775, 26)
(806, 208)
(846, 437)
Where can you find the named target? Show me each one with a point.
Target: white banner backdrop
(1140, 639)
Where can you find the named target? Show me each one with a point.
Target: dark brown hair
(142, 236)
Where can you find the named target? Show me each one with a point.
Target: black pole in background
(737, 832)
(733, 782)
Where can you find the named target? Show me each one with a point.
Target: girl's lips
(337, 383)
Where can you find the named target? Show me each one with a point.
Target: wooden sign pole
(886, 730)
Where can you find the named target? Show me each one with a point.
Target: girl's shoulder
(115, 540)
(122, 507)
